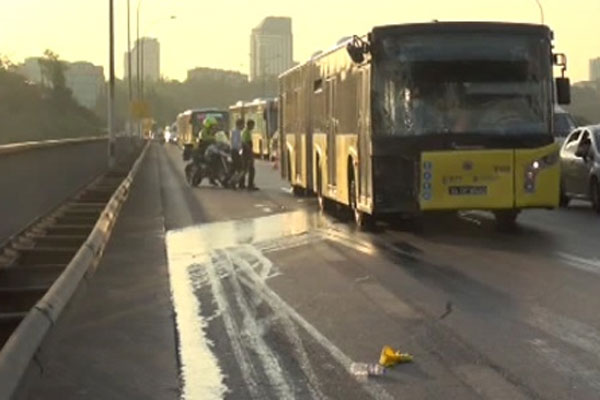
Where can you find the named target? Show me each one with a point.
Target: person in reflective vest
(248, 156)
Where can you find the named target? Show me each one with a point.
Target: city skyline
(51, 26)
(271, 47)
(151, 59)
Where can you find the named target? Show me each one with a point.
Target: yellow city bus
(420, 117)
(264, 114)
(190, 122)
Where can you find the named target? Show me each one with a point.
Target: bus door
(331, 131)
(364, 133)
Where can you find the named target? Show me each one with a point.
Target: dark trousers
(248, 160)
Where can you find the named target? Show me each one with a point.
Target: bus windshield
(198, 118)
(563, 124)
(459, 83)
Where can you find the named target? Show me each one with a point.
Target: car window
(574, 136)
(571, 144)
(585, 135)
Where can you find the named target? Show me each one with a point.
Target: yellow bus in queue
(264, 113)
(420, 117)
(189, 123)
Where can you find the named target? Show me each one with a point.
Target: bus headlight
(533, 169)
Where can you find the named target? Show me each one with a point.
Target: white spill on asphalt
(200, 371)
(229, 257)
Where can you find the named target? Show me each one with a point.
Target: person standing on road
(236, 150)
(248, 156)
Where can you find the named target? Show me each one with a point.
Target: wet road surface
(274, 300)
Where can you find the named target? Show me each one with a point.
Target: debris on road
(365, 369)
(390, 357)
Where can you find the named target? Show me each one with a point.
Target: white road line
(202, 376)
(566, 329)
(252, 333)
(281, 306)
(567, 364)
(585, 264)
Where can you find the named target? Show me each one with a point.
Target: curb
(22, 346)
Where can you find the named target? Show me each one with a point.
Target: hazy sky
(216, 33)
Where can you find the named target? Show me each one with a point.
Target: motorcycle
(216, 164)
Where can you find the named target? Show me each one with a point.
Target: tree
(53, 70)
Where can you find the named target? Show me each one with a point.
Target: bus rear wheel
(362, 220)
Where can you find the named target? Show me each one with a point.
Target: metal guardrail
(21, 347)
(24, 146)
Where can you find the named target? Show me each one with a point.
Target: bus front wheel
(506, 220)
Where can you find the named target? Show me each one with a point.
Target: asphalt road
(275, 300)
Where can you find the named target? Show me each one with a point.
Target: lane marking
(568, 330)
(585, 264)
(567, 364)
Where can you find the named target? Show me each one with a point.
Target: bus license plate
(467, 190)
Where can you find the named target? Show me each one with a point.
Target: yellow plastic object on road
(390, 357)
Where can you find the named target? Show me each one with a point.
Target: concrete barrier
(21, 347)
(36, 177)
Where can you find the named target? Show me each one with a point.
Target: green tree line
(167, 98)
(33, 112)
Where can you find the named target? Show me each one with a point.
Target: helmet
(210, 121)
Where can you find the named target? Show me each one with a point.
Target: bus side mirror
(563, 90)
(357, 48)
(355, 53)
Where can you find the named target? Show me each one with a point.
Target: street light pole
(129, 67)
(142, 69)
(137, 64)
(111, 87)
(541, 10)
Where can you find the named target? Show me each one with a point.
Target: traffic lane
(532, 263)
(308, 367)
(445, 282)
(268, 342)
(218, 203)
(533, 343)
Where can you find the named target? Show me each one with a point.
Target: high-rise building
(149, 49)
(271, 47)
(595, 69)
(83, 78)
(31, 69)
(198, 74)
(85, 81)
